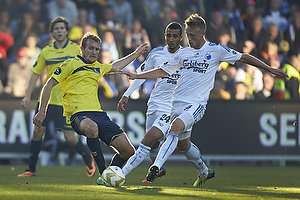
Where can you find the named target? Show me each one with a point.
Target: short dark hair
(174, 25)
(87, 36)
(195, 21)
(58, 20)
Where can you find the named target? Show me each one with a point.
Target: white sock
(194, 156)
(136, 159)
(166, 150)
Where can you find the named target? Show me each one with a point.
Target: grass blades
(64, 183)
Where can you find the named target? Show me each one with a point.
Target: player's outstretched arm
(46, 93)
(151, 74)
(123, 62)
(31, 85)
(251, 60)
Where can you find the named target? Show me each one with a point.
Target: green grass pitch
(64, 183)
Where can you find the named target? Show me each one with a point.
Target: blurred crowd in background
(267, 29)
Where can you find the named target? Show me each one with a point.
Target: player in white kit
(159, 103)
(200, 62)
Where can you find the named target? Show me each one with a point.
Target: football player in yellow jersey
(50, 58)
(79, 79)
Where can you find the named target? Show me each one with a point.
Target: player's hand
(278, 72)
(141, 49)
(121, 104)
(130, 75)
(39, 118)
(25, 101)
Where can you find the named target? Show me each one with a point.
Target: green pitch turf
(64, 183)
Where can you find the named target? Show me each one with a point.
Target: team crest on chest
(207, 56)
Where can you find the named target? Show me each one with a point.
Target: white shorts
(189, 114)
(159, 119)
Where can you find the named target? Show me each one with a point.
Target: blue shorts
(55, 113)
(107, 129)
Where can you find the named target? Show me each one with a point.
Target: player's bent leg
(123, 146)
(193, 155)
(167, 148)
(35, 148)
(135, 160)
(124, 149)
(75, 142)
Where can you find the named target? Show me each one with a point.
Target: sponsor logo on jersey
(173, 78)
(197, 66)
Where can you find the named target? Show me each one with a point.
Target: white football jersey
(160, 98)
(199, 69)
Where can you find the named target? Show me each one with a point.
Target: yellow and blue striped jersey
(79, 82)
(50, 58)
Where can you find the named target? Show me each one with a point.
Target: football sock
(84, 152)
(194, 156)
(94, 145)
(35, 148)
(136, 159)
(167, 148)
(117, 161)
(153, 154)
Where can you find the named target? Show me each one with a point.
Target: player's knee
(89, 129)
(177, 126)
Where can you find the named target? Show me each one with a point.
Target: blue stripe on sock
(174, 135)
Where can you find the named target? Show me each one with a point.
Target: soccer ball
(113, 176)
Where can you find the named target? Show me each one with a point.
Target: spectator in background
(233, 18)
(215, 25)
(94, 10)
(275, 16)
(292, 33)
(225, 38)
(39, 11)
(230, 84)
(257, 34)
(19, 74)
(249, 14)
(31, 48)
(6, 41)
(167, 16)
(136, 36)
(273, 35)
(221, 79)
(270, 53)
(16, 10)
(109, 43)
(107, 85)
(268, 84)
(77, 31)
(241, 92)
(64, 8)
(109, 24)
(251, 77)
(123, 12)
(289, 87)
(26, 27)
(148, 11)
(4, 22)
